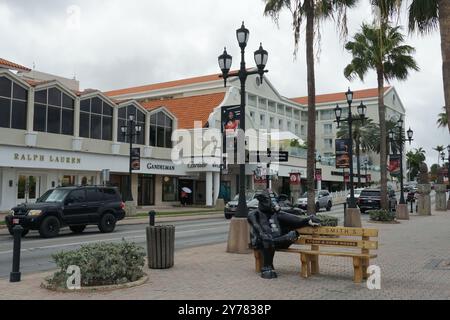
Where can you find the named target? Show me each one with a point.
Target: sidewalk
(414, 257)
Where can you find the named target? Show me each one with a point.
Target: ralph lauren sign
(43, 158)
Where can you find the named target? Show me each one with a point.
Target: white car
(323, 200)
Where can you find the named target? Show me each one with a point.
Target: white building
(52, 134)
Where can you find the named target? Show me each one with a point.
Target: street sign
(294, 178)
(264, 156)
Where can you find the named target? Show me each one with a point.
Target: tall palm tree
(363, 139)
(442, 120)
(414, 159)
(425, 16)
(314, 11)
(439, 149)
(380, 49)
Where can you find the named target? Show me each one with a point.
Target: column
(76, 141)
(115, 146)
(30, 135)
(209, 188)
(216, 186)
(147, 148)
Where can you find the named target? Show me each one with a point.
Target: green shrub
(101, 264)
(328, 221)
(381, 215)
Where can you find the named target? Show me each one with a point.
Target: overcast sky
(116, 44)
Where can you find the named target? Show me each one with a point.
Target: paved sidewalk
(411, 256)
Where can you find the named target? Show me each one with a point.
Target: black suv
(75, 207)
(369, 199)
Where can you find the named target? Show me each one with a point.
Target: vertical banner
(346, 177)
(294, 178)
(230, 123)
(135, 159)
(341, 151)
(319, 174)
(394, 164)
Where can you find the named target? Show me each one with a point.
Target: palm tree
(414, 159)
(363, 137)
(442, 120)
(381, 49)
(314, 11)
(425, 16)
(439, 149)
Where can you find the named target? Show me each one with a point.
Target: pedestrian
(183, 198)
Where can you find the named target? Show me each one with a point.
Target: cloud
(120, 44)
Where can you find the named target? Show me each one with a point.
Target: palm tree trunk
(358, 162)
(309, 8)
(383, 144)
(444, 27)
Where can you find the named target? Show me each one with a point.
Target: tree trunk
(358, 161)
(444, 27)
(383, 144)
(309, 8)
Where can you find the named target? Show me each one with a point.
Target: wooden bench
(312, 241)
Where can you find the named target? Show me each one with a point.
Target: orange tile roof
(164, 85)
(12, 65)
(339, 96)
(189, 109)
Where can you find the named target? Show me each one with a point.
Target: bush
(381, 215)
(101, 264)
(328, 221)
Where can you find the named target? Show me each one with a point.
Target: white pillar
(115, 124)
(319, 185)
(30, 110)
(76, 117)
(216, 187)
(147, 129)
(209, 189)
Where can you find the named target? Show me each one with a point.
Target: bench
(312, 241)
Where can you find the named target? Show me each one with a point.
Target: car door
(322, 199)
(75, 209)
(94, 200)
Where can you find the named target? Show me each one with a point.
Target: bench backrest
(344, 237)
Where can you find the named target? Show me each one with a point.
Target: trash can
(160, 246)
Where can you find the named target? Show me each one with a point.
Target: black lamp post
(392, 138)
(365, 170)
(448, 165)
(225, 60)
(362, 115)
(317, 159)
(130, 131)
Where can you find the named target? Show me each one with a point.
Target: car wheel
(49, 227)
(107, 223)
(24, 232)
(228, 216)
(77, 229)
(329, 206)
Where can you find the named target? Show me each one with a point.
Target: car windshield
(248, 196)
(56, 195)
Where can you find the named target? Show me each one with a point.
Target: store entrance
(188, 184)
(28, 188)
(146, 190)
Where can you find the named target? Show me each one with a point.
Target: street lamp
(365, 170)
(361, 109)
(448, 170)
(225, 61)
(130, 131)
(317, 159)
(392, 138)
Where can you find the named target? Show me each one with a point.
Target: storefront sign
(43, 158)
(151, 166)
(319, 174)
(136, 159)
(294, 178)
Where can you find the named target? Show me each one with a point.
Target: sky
(111, 44)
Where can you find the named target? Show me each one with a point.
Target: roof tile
(12, 65)
(339, 96)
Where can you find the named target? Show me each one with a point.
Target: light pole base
(239, 236)
(448, 204)
(352, 218)
(402, 211)
(130, 209)
(441, 197)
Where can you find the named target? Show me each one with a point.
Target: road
(36, 252)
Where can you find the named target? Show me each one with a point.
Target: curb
(92, 289)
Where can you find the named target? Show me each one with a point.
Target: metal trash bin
(160, 246)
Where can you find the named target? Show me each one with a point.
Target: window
(161, 126)
(96, 119)
(302, 129)
(53, 111)
(93, 195)
(327, 128)
(77, 196)
(280, 123)
(296, 129)
(327, 115)
(252, 115)
(139, 119)
(262, 119)
(110, 194)
(271, 122)
(272, 107)
(169, 186)
(252, 100)
(263, 103)
(328, 143)
(13, 105)
(289, 125)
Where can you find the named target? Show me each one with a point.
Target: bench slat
(337, 242)
(339, 231)
(329, 253)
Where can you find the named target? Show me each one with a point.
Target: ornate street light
(130, 131)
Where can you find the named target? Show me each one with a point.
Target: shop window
(13, 105)
(53, 111)
(161, 126)
(169, 189)
(68, 181)
(139, 119)
(96, 119)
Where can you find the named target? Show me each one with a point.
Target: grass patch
(2, 223)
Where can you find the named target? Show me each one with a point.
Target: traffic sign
(272, 156)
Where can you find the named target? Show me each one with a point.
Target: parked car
(369, 199)
(323, 200)
(231, 206)
(357, 193)
(73, 207)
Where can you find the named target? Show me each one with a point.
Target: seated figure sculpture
(274, 229)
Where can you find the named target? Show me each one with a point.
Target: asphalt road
(36, 252)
